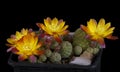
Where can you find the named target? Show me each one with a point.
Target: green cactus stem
(66, 49)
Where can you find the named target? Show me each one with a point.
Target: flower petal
(108, 32)
(54, 22)
(92, 25)
(107, 26)
(61, 25)
(18, 35)
(64, 28)
(22, 57)
(101, 42)
(10, 49)
(24, 32)
(38, 52)
(63, 33)
(39, 45)
(10, 40)
(101, 23)
(47, 22)
(84, 28)
(14, 50)
(57, 38)
(112, 37)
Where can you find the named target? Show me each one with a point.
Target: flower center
(27, 48)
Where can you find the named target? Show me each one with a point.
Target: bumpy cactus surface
(48, 52)
(55, 57)
(42, 58)
(77, 50)
(80, 40)
(54, 44)
(92, 50)
(66, 49)
(96, 50)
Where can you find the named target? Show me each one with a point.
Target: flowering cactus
(53, 43)
(54, 27)
(98, 32)
(26, 46)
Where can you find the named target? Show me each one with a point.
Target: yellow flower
(27, 46)
(17, 36)
(54, 27)
(99, 31)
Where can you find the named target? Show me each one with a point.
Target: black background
(13, 19)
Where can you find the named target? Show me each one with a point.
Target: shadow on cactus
(53, 43)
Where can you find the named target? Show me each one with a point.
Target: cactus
(48, 52)
(66, 49)
(42, 58)
(80, 40)
(55, 57)
(54, 44)
(95, 51)
(77, 50)
(92, 50)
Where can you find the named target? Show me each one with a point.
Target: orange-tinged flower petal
(112, 37)
(39, 24)
(84, 28)
(99, 31)
(39, 45)
(64, 32)
(27, 46)
(22, 57)
(38, 52)
(54, 27)
(18, 35)
(44, 28)
(57, 38)
(101, 42)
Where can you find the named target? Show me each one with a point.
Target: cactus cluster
(72, 44)
(81, 43)
(55, 51)
(53, 43)
(79, 39)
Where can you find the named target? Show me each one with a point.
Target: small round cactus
(77, 50)
(55, 57)
(48, 52)
(90, 50)
(42, 58)
(66, 49)
(54, 44)
(95, 50)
